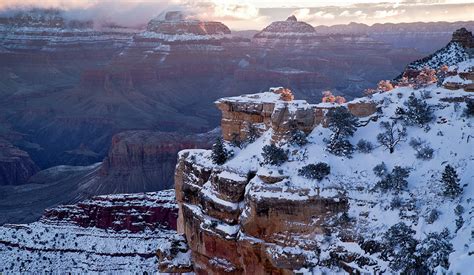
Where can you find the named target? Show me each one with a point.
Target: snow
(450, 134)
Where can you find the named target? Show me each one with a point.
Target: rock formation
(16, 166)
(264, 111)
(239, 221)
(116, 233)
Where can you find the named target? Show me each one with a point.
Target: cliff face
(144, 160)
(16, 166)
(242, 220)
(115, 233)
(248, 216)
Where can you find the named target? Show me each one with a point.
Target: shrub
(432, 216)
(340, 147)
(298, 137)
(219, 152)
(459, 210)
(252, 134)
(469, 111)
(396, 180)
(451, 182)
(315, 171)
(380, 170)
(423, 150)
(274, 155)
(365, 146)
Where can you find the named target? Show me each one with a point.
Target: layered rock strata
(115, 233)
(238, 220)
(242, 115)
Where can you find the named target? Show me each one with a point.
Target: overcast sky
(256, 14)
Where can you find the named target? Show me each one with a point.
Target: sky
(256, 14)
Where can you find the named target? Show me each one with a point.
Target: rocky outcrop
(237, 220)
(16, 166)
(115, 233)
(256, 113)
(463, 37)
(131, 212)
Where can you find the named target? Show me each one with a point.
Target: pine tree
(418, 112)
(400, 247)
(343, 125)
(342, 122)
(434, 251)
(219, 152)
(451, 182)
(469, 111)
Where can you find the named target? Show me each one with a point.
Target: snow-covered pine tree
(393, 134)
(343, 125)
(434, 251)
(451, 182)
(418, 112)
(219, 152)
(469, 111)
(400, 247)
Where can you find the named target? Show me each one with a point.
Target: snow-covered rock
(279, 221)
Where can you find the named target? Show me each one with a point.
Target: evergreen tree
(417, 111)
(451, 182)
(219, 152)
(343, 124)
(393, 134)
(434, 250)
(469, 111)
(400, 247)
(274, 155)
(396, 180)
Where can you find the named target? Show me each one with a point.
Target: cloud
(306, 15)
(355, 14)
(387, 13)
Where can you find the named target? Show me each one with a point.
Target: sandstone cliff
(247, 216)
